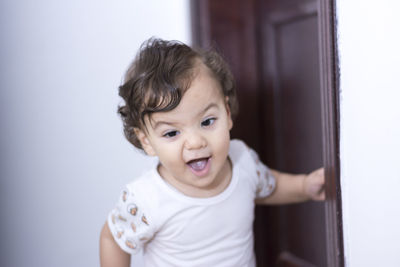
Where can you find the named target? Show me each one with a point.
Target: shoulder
(240, 153)
(237, 148)
(132, 222)
(243, 158)
(144, 191)
(246, 162)
(143, 183)
(142, 194)
(237, 144)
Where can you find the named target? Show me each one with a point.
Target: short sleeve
(130, 226)
(266, 182)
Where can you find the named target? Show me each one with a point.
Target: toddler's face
(192, 140)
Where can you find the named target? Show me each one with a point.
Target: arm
(110, 253)
(292, 188)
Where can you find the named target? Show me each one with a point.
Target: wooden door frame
(329, 73)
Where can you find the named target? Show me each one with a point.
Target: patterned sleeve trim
(266, 182)
(129, 224)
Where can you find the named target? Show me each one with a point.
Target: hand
(314, 185)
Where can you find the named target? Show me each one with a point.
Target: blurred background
(64, 158)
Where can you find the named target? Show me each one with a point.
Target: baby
(196, 206)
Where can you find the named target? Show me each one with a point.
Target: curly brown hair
(158, 78)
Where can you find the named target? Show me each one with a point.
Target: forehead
(204, 83)
(203, 92)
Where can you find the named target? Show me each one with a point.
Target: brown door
(274, 51)
(290, 73)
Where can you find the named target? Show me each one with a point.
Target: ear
(145, 142)
(228, 111)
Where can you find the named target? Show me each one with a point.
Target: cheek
(221, 142)
(224, 131)
(169, 154)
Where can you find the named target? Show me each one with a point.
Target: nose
(194, 140)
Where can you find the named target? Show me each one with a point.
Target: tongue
(198, 165)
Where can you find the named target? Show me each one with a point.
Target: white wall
(369, 43)
(63, 155)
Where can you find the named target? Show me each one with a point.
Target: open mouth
(199, 166)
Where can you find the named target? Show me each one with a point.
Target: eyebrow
(210, 106)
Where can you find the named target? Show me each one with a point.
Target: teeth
(198, 165)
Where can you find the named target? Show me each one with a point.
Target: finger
(320, 176)
(321, 196)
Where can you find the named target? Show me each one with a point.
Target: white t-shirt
(177, 230)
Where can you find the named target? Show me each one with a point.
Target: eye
(170, 134)
(208, 122)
